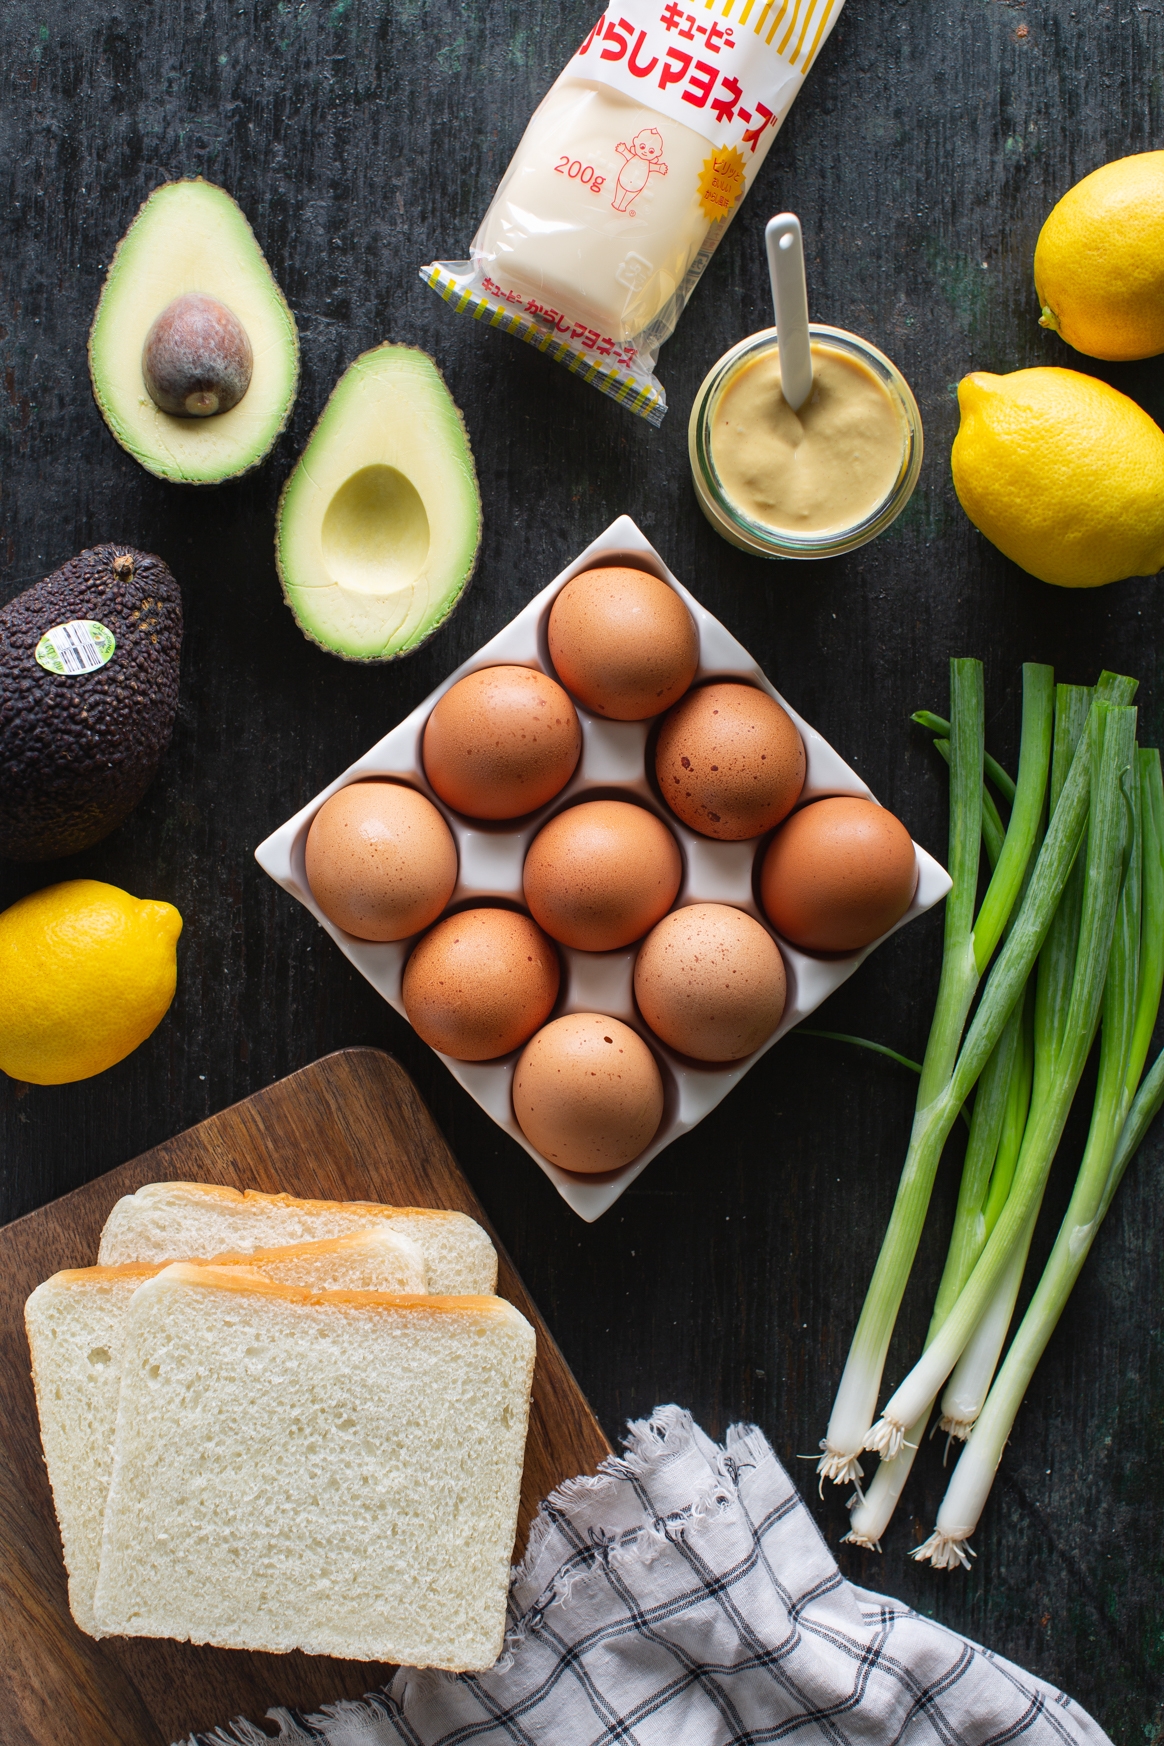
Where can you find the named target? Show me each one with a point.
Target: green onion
(1014, 1124)
(1131, 1002)
(1106, 760)
(861, 1381)
(967, 949)
(972, 1375)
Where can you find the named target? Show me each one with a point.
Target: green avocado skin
(77, 753)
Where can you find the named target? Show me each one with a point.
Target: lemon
(1099, 261)
(87, 972)
(1063, 473)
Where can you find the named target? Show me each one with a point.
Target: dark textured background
(363, 138)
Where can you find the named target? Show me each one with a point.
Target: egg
(381, 861)
(501, 742)
(838, 874)
(480, 982)
(587, 1093)
(623, 642)
(600, 874)
(729, 761)
(710, 982)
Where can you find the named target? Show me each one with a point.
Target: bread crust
(78, 1276)
(213, 1278)
(218, 1191)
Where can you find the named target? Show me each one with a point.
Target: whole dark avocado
(79, 749)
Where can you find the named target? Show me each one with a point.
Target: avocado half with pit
(188, 254)
(378, 526)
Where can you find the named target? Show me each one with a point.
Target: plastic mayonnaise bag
(628, 176)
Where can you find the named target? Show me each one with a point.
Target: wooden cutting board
(350, 1127)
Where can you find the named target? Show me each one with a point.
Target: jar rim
(758, 537)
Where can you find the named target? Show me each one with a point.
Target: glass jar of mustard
(814, 482)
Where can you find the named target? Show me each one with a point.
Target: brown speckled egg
(710, 982)
(729, 761)
(600, 874)
(381, 861)
(838, 875)
(501, 742)
(480, 982)
(587, 1092)
(623, 642)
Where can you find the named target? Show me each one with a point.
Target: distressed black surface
(363, 138)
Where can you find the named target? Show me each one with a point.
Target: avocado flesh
(77, 752)
(379, 524)
(191, 236)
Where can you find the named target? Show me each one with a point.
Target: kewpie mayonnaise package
(628, 176)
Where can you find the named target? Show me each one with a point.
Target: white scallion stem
(870, 1512)
(1000, 1102)
(969, 1385)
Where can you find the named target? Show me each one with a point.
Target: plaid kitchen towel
(685, 1597)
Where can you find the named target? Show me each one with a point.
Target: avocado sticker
(80, 646)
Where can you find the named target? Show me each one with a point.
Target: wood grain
(350, 1127)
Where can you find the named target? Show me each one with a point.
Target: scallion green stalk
(873, 1048)
(1014, 1125)
(938, 725)
(968, 1385)
(993, 829)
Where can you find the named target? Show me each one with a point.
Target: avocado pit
(197, 359)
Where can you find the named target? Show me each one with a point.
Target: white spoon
(790, 302)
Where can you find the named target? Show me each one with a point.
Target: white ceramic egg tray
(492, 857)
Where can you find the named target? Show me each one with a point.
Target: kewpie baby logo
(644, 159)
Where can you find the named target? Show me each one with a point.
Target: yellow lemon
(1099, 261)
(1064, 474)
(86, 973)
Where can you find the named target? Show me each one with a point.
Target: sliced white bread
(334, 1472)
(368, 1260)
(75, 1323)
(176, 1221)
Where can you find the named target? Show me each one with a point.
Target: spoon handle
(790, 302)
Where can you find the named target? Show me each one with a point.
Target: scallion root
(959, 1428)
(945, 1551)
(842, 1467)
(886, 1438)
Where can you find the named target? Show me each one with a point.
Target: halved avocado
(191, 236)
(378, 526)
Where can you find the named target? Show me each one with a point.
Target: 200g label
(580, 172)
